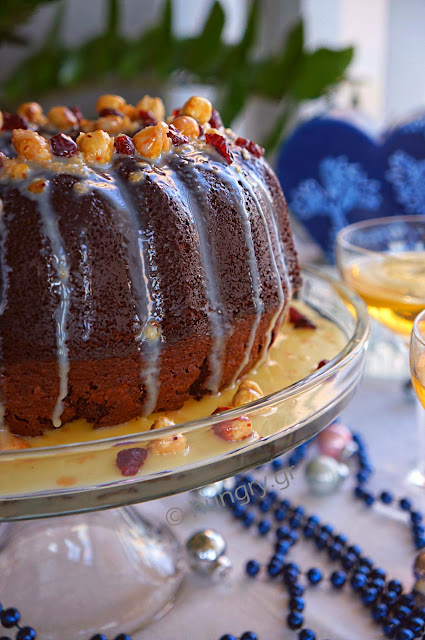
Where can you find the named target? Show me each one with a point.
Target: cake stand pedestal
(98, 571)
(103, 572)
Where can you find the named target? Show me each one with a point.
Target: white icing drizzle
(282, 300)
(236, 191)
(216, 316)
(87, 284)
(51, 230)
(117, 193)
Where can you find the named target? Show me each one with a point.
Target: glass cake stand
(111, 571)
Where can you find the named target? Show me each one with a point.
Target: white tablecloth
(206, 611)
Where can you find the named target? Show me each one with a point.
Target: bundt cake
(143, 261)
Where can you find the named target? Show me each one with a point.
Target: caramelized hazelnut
(233, 430)
(198, 108)
(187, 125)
(97, 147)
(30, 145)
(111, 124)
(110, 101)
(33, 112)
(62, 118)
(170, 444)
(248, 391)
(154, 105)
(151, 141)
(250, 384)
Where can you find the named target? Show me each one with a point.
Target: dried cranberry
(109, 112)
(63, 146)
(77, 112)
(215, 120)
(147, 119)
(176, 136)
(124, 144)
(175, 113)
(129, 461)
(299, 320)
(219, 142)
(253, 148)
(13, 121)
(322, 363)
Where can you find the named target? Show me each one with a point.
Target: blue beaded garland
(306, 634)
(249, 635)
(405, 504)
(379, 612)
(358, 580)
(122, 636)
(338, 579)
(404, 634)
(390, 626)
(26, 633)
(296, 589)
(9, 617)
(294, 620)
(395, 585)
(252, 568)
(416, 624)
(314, 576)
(296, 604)
(99, 636)
(264, 527)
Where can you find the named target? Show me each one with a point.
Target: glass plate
(282, 420)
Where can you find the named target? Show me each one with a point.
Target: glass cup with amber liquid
(383, 260)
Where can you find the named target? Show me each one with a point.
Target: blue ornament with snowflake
(332, 173)
(406, 175)
(342, 187)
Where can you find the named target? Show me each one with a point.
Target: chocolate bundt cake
(142, 261)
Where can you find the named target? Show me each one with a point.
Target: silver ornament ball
(204, 549)
(325, 474)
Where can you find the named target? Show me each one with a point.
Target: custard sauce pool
(294, 355)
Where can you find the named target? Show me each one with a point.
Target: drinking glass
(383, 260)
(417, 370)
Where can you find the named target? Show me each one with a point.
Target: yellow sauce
(294, 355)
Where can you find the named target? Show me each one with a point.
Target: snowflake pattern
(343, 187)
(415, 126)
(407, 177)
